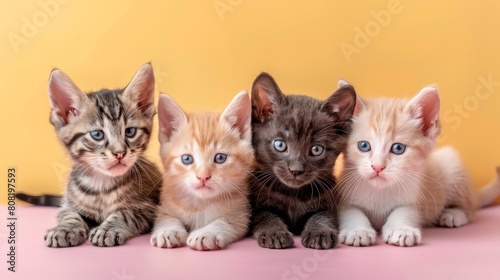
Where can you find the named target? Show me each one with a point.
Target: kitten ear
(239, 113)
(360, 106)
(266, 95)
(341, 103)
(425, 106)
(65, 97)
(342, 83)
(170, 117)
(141, 89)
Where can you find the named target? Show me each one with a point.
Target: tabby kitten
(393, 179)
(297, 140)
(207, 158)
(112, 191)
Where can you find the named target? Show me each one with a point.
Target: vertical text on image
(11, 219)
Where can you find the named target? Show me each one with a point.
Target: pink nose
(204, 178)
(378, 168)
(119, 155)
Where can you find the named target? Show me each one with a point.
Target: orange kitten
(207, 159)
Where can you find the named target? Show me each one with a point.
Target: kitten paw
(325, 238)
(168, 238)
(405, 236)
(358, 237)
(58, 237)
(281, 239)
(107, 237)
(453, 217)
(203, 240)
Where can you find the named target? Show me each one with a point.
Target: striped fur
(112, 191)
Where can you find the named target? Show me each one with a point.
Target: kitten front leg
(453, 217)
(402, 227)
(217, 235)
(169, 232)
(271, 231)
(122, 225)
(355, 228)
(320, 231)
(70, 231)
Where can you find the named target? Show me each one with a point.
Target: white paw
(205, 240)
(453, 217)
(358, 237)
(404, 236)
(168, 238)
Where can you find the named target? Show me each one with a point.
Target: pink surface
(470, 252)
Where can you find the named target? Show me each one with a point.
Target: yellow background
(206, 51)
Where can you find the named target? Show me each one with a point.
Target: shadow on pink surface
(470, 252)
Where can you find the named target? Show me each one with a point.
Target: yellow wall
(205, 51)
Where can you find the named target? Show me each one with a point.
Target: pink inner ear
(170, 117)
(146, 92)
(141, 87)
(261, 103)
(428, 102)
(265, 95)
(238, 113)
(63, 94)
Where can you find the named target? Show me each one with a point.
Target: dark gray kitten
(112, 191)
(297, 140)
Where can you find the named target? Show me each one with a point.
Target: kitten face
(105, 131)
(298, 138)
(207, 155)
(391, 139)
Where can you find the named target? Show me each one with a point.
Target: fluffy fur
(398, 193)
(491, 191)
(112, 191)
(204, 202)
(297, 140)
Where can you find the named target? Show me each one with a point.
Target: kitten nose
(204, 178)
(296, 173)
(295, 170)
(378, 168)
(119, 155)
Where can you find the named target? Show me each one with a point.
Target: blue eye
(279, 145)
(97, 134)
(220, 158)
(130, 132)
(187, 159)
(364, 146)
(316, 150)
(398, 148)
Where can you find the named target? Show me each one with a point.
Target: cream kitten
(488, 193)
(394, 181)
(207, 158)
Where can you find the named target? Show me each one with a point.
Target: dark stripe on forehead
(73, 139)
(109, 105)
